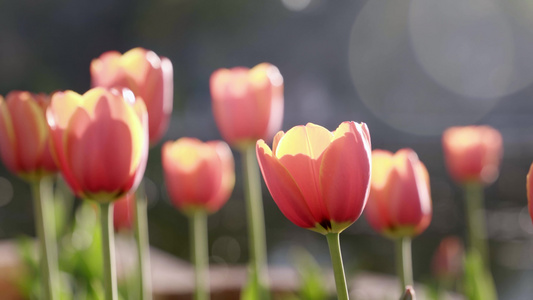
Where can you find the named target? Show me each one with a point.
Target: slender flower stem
(338, 267)
(256, 222)
(108, 251)
(476, 220)
(45, 227)
(143, 244)
(404, 265)
(199, 253)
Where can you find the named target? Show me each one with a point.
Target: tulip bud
(24, 137)
(319, 179)
(399, 203)
(409, 293)
(247, 103)
(149, 76)
(447, 262)
(198, 175)
(100, 141)
(473, 153)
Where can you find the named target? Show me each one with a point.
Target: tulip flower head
(149, 76)
(319, 179)
(447, 262)
(247, 103)
(100, 141)
(399, 204)
(473, 153)
(198, 175)
(24, 137)
(124, 212)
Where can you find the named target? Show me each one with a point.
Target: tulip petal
(300, 152)
(345, 173)
(283, 188)
(228, 174)
(7, 137)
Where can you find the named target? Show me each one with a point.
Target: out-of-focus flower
(100, 141)
(319, 179)
(24, 137)
(473, 153)
(149, 76)
(198, 175)
(399, 203)
(124, 212)
(529, 186)
(247, 103)
(447, 261)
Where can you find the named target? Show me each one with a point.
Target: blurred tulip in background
(247, 103)
(473, 153)
(399, 203)
(149, 76)
(24, 138)
(124, 213)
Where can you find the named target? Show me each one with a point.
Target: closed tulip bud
(124, 212)
(473, 153)
(100, 141)
(399, 204)
(149, 76)
(319, 179)
(24, 137)
(447, 262)
(198, 175)
(247, 103)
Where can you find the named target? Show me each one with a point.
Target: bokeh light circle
(391, 82)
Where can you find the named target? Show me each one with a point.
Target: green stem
(143, 244)
(404, 265)
(476, 220)
(45, 227)
(108, 251)
(256, 222)
(338, 268)
(199, 253)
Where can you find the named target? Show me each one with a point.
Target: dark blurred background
(409, 69)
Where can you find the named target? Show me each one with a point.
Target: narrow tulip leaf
(478, 282)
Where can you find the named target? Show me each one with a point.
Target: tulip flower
(473, 153)
(198, 175)
(199, 179)
(25, 151)
(320, 180)
(100, 141)
(399, 203)
(247, 103)
(124, 212)
(24, 138)
(149, 76)
(447, 262)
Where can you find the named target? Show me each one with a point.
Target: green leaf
(478, 282)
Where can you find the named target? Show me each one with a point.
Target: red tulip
(319, 179)
(100, 140)
(149, 76)
(198, 175)
(124, 212)
(247, 103)
(473, 153)
(399, 203)
(24, 137)
(447, 262)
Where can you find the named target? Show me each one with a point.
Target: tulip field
(295, 149)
